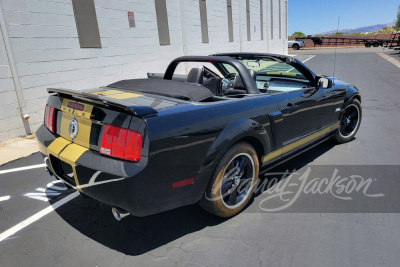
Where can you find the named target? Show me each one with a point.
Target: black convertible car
(144, 146)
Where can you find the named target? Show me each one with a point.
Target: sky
(317, 16)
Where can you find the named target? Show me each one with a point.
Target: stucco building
(80, 44)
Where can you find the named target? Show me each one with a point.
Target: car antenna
(334, 60)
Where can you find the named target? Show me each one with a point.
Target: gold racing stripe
(116, 94)
(66, 117)
(62, 147)
(70, 155)
(67, 152)
(298, 143)
(272, 155)
(83, 119)
(309, 138)
(84, 124)
(57, 146)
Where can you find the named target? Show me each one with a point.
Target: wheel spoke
(233, 196)
(243, 164)
(345, 130)
(225, 187)
(230, 173)
(230, 166)
(353, 124)
(353, 114)
(245, 183)
(343, 127)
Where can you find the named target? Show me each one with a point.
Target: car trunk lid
(82, 115)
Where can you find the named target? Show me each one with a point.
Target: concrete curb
(390, 59)
(14, 149)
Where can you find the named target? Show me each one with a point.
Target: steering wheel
(227, 83)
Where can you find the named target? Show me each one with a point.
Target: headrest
(195, 76)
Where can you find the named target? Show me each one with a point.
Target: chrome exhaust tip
(119, 214)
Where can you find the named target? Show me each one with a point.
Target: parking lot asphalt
(316, 230)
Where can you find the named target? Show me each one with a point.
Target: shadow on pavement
(136, 236)
(298, 162)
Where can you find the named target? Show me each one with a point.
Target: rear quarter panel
(188, 140)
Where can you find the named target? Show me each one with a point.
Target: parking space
(28, 188)
(316, 230)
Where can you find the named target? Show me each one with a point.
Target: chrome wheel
(233, 181)
(237, 181)
(350, 121)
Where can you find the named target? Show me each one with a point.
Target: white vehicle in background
(296, 44)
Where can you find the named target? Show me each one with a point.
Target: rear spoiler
(103, 100)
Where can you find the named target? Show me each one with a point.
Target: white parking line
(4, 198)
(36, 217)
(23, 168)
(309, 58)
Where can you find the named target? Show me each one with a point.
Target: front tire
(233, 181)
(350, 122)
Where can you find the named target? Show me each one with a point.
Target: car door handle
(308, 92)
(289, 108)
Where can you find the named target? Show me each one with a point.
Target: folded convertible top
(170, 88)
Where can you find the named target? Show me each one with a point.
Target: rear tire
(233, 181)
(367, 44)
(295, 47)
(350, 122)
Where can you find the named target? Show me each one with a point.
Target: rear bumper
(134, 187)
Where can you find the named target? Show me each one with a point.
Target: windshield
(268, 67)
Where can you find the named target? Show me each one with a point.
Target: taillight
(121, 143)
(49, 118)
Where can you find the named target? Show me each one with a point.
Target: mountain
(371, 28)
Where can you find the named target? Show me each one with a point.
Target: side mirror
(324, 83)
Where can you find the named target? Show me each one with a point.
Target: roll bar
(248, 81)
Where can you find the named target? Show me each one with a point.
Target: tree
(397, 25)
(387, 29)
(298, 34)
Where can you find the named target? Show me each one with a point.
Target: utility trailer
(393, 41)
